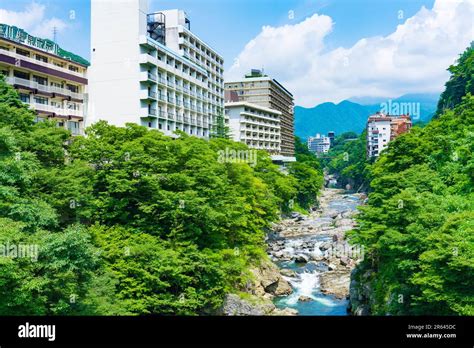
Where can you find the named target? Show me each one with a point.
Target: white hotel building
(150, 69)
(254, 125)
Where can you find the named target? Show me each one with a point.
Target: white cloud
(412, 59)
(33, 20)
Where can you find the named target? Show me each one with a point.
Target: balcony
(38, 62)
(48, 89)
(161, 97)
(162, 114)
(152, 112)
(179, 118)
(146, 76)
(50, 109)
(148, 95)
(171, 115)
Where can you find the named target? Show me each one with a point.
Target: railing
(179, 118)
(170, 100)
(171, 115)
(44, 88)
(152, 112)
(152, 77)
(162, 114)
(56, 110)
(39, 62)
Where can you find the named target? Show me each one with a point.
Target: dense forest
(417, 228)
(128, 221)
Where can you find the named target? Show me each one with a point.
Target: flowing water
(304, 278)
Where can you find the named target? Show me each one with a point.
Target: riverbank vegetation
(129, 221)
(417, 228)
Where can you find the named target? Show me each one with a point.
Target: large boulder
(301, 258)
(235, 305)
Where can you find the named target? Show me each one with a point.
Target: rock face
(360, 292)
(267, 283)
(234, 305)
(268, 279)
(335, 283)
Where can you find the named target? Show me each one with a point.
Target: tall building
(332, 137)
(382, 128)
(49, 79)
(259, 89)
(150, 69)
(319, 144)
(254, 125)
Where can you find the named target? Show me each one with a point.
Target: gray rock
(304, 299)
(301, 258)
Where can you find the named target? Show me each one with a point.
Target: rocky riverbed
(314, 256)
(311, 263)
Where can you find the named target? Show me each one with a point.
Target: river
(314, 257)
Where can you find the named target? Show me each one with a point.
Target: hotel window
(25, 98)
(21, 75)
(73, 127)
(73, 88)
(56, 84)
(40, 80)
(73, 68)
(22, 52)
(41, 100)
(42, 58)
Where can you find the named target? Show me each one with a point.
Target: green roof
(16, 34)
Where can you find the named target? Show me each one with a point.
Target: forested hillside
(129, 221)
(417, 228)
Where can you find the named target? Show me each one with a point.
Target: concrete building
(49, 79)
(382, 128)
(319, 144)
(254, 125)
(259, 89)
(332, 137)
(150, 69)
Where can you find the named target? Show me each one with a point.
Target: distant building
(255, 125)
(52, 81)
(319, 144)
(260, 89)
(382, 128)
(331, 136)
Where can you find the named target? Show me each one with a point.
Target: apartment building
(49, 79)
(256, 126)
(150, 69)
(260, 89)
(382, 128)
(319, 144)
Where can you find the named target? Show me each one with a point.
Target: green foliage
(417, 228)
(129, 221)
(348, 159)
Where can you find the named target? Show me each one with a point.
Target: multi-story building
(319, 144)
(49, 79)
(332, 137)
(254, 125)
(150, 69)
(257, 88)
(382, 128)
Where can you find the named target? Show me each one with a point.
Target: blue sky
(322, 50)
(240, 20)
